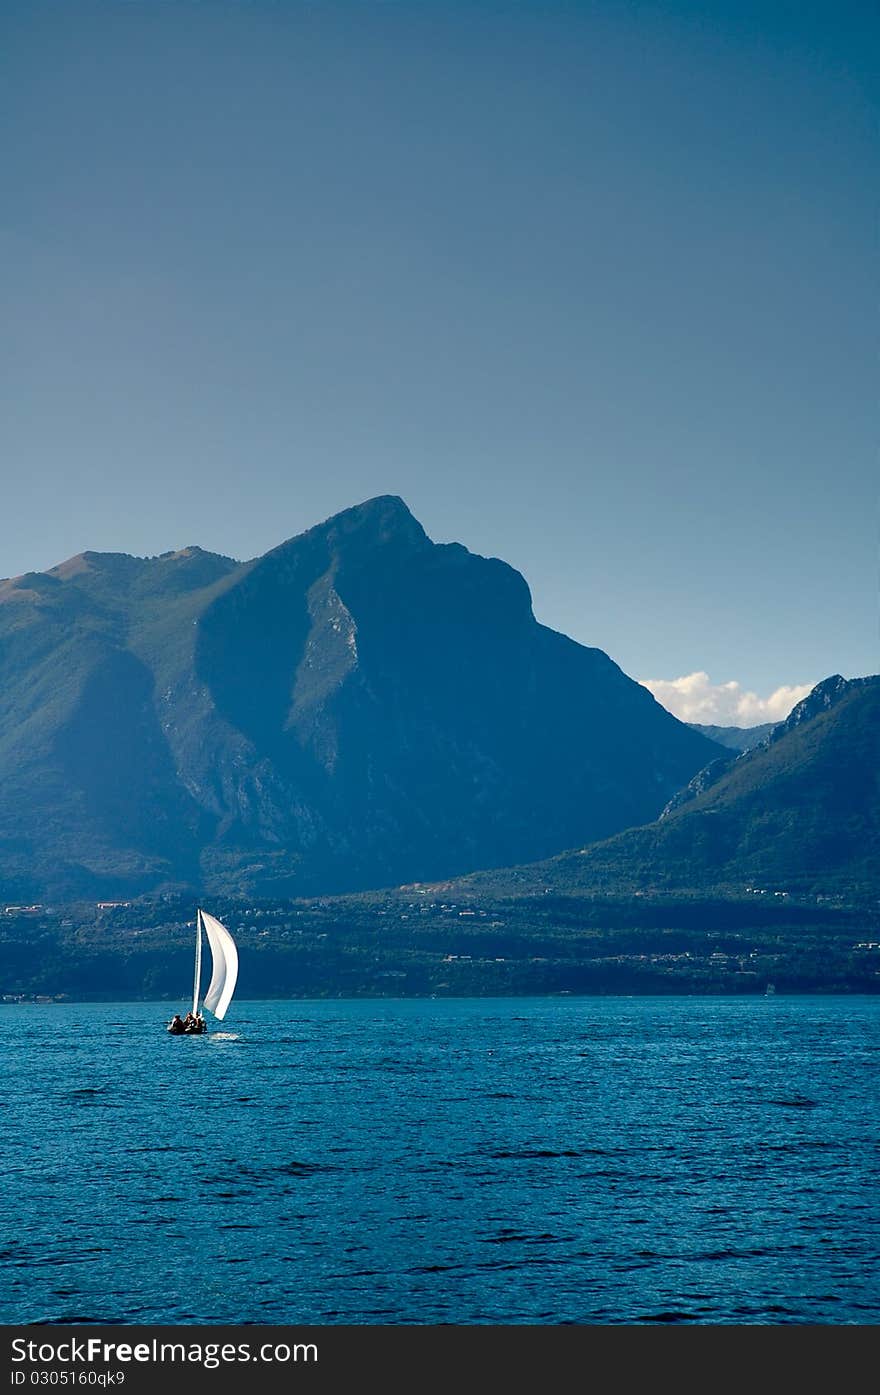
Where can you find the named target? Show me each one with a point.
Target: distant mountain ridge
(736, 738)
(359, 707)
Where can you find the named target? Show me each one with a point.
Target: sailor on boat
(191, 1025)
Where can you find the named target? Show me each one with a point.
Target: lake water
(566, 1160)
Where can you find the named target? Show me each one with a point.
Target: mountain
(736, 738)
(359, 707)
(799, 812)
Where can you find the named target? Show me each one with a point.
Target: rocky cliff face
(822, 698)
(359, 707)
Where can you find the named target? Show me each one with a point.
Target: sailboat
(224, 974)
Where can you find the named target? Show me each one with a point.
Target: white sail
(225, 973)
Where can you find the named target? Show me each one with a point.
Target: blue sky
(592, 286)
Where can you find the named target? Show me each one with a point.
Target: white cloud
(694, 698)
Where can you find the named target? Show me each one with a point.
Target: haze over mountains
(359, 707)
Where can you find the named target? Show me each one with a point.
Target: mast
(198, 972)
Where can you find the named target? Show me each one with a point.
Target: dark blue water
(518, 1161)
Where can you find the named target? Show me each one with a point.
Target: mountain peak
(825, 694)
(374, 523)
(384, 504)
(116, 562)
(384, 517)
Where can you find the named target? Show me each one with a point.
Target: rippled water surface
(517, 1161)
